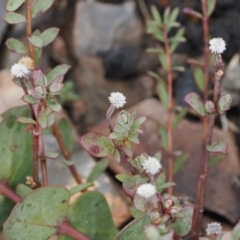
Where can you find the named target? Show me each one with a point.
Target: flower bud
(209, 106)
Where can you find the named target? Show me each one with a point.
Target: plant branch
(6, 191)
(65, 152)
(170, 109)
(66, 229)
(29, 28)
(43, 160)
(206, 154)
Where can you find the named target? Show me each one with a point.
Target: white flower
(214, 228)
(217, 45)
(19, 70)
(117, 99)
(146, 190)
(151, 165)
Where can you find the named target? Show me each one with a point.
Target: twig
(29, 28)
(170, 109)
(6, 191)
(66, 229)
(206, 154)
(43, 161)
(65, 152)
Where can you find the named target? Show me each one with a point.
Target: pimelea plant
(42, 210)
(157, 217)
(160, 28)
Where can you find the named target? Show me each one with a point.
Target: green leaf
(52, 104)
(160, 181)
(134, 230)
(162, 59)
(16, 46)
(173, 16)
(13, 5)
(135, 213)
(182, 226)
(162, 93)
(1, 119)
(40, 7)
(178, 68)
(38, 214)
(42, 119)
(26, 120)
(49, 35)
(98, 169)
(22, 190)
(117, 155)
(152, 27)
(17, 145)
(80, 187)
(51, 155)
(97, 144)
(14, 18)
(163, 135)
(36, 41)
(90, 215)
(195, 102)
(30, 99)
(236, 232)
(217, 147)
(66, 132)
(216, 159)
(59, 70)
(166, 15)
(152, 233)
(156, 15)
(224, 103)
(178, 164)
(199, 77)
(179, 117)
(210, 6)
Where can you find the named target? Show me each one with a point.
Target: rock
(94, 91)
(10, 93)
(221, 197)
(230, 82)
(99, 27)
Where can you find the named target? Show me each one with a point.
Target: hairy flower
(19, 70)
(27, 61)
(117, 99)
(217, 45)
(214, 228)
(151, 165)
(146, 190)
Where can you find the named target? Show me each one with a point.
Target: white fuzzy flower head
(117, 99)
(151, 166)
(146, 190)
(217, 45)
(19, 70)
(214, 228)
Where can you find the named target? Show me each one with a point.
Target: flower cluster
(214, 228)
(117, 99)
(146, 190)
(19, 70)
(217, 45)
(151, 166)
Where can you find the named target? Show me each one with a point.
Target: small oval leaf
(14, 18)
(97, 144)
(195, 102)
(49, 35)
(13, 5)
(16, 46)
(36, 41)
(40, 7)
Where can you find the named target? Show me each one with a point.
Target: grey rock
(99, 26)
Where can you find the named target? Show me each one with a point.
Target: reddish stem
(6, 191)
(43, 160)
(206, 154)
(170, 109)
(29, 27)
(66, 229)
(65, 152)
